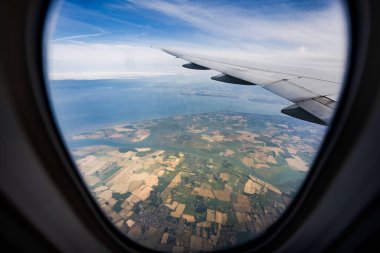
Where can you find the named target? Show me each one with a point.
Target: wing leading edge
(314, 99)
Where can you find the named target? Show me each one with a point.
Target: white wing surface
(314, 99)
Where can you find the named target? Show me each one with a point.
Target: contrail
(79, 36)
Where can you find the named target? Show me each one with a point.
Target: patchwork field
(197, 182)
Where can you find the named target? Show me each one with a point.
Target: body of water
(86, 105)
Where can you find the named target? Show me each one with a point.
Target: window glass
(180, 162)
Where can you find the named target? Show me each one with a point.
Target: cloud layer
(285, 36)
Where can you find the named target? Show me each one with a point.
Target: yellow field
(214, 137)
(130, 223)
(252, 187)
(142, 149)
(178, 211)
(188, 217)
(173, 205)
(297, 163)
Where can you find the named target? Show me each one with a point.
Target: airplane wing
(313, 99)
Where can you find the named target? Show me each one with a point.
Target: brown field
(151, 180)
(188, 217)
(116, 136)
(172, 163)
(214, 137)
(216, 216)
(130, 223)
(126, 214)
(265, 184)
(196, 130)
(246, 136)
(292, 150)
(242, 207)
(106, 195)
(135, 232)
(247, 161)
(114, 216)
(88, 136)
(276, 150)
(206, 193)
(91, 180)
(87, 150)
(141, 134)
(229, 152)
(120, 183)
(100, 188)
(204, 224)
(143, 192)
(306, 148)
(271, 159)
(165, 237)
(134, 185)
(158, 153)
(133, 199)
(262, 154)
(243, 199)
(283, 137)
(173, 205)
(259, 156)
(297, 163)
(222, 195)
(224, 176)
(242, 204)
(261, 166)
(112, 202)
(252, 187)
(178, 211)
(123, 129)
(243, 217)
(221, 218)
(176, 180)
(119, 224)
(295, 138)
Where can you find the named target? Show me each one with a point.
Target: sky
(120, 38)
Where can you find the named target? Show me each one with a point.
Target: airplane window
(194, 123)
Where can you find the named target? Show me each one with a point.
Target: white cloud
(104, 75)
(313, 39)
(109, 61)
(318, 29)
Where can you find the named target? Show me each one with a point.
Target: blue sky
(118, 33)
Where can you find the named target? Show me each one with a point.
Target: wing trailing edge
(314, 99)
(299, 113)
